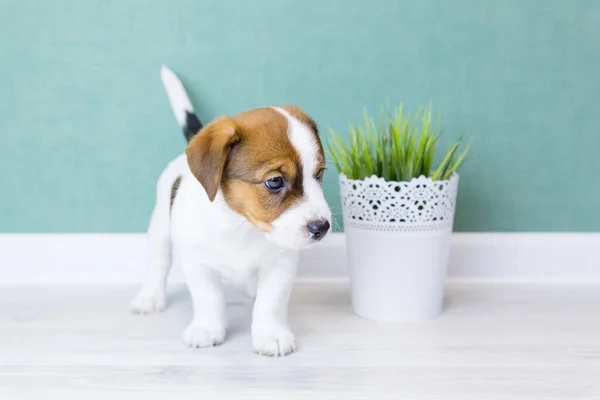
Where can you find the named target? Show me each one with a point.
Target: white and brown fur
(217, 217)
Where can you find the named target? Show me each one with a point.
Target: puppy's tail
(180, 102)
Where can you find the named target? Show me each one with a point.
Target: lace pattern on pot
(416, 206)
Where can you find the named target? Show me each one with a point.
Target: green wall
(85, 127)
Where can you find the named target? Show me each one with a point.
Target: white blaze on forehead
(290, 229)
(304, 142)
(303, 139)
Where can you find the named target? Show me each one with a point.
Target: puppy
(239, 204)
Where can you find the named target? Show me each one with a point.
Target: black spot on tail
(192, 125)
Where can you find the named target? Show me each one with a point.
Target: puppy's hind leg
(152, 296)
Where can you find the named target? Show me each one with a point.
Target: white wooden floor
(493, 342)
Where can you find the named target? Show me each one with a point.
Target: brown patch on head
(265, 152)
(239, 154)
(174, 189)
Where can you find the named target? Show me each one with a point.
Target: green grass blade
(459, 161)
(445, 163)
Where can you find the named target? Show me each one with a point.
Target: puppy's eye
(275, 184)
(319, 175)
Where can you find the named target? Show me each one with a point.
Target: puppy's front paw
(148, 301)
(273, 340)
(204, 335)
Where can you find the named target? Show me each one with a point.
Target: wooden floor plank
(492, 342)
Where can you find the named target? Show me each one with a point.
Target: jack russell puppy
(240, 203)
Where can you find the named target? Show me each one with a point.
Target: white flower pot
(398, 241)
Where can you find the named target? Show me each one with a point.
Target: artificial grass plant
(397, 148)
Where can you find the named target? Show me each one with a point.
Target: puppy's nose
(318, 229)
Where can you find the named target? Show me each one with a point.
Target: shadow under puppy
(239, 204)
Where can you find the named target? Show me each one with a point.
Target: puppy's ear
(207, 153)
